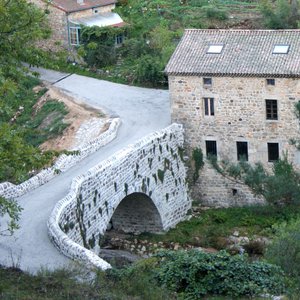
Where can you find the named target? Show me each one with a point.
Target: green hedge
(195, 273)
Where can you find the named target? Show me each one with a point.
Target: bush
(213, 12)
(282, 187)
(133, 282)
(194, 274)
(285, 249)
(98, 47)
(149, 70)
(255, 247)
(198, 163)
(284, 14)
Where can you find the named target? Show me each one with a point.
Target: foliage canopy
(193, 274)
(21, 25)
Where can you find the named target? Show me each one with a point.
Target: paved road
(141, 110)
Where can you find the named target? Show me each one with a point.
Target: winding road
(141, 110)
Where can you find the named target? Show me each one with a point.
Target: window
(271, 81)
(271, 109)
(242, 150)
(281, 49)
(215, 49)
(211, 148)
(74, 34)
(119, 39)
(273, 152)
(209, 109)
(207, 81)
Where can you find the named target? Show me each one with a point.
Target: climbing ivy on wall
(79, 217)
(198, 163)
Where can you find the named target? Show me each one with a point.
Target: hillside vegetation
(153, 31)
(154, 28)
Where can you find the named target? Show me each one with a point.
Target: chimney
(81, 2)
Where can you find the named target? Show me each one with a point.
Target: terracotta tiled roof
(73, 5)
(245, 53)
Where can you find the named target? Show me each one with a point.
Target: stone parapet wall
(152, 167)
(63, 163)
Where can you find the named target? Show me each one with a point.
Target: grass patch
(23, 129)
(47, 123)
(213, 225)
(64, 284)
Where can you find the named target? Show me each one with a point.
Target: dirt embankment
(79, 118)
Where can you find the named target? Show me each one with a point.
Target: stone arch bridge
(141, 188)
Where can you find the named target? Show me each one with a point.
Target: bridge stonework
(140, 188)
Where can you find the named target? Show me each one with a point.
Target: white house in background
(67, 16)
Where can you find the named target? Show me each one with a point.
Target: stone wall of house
(240, 115)
(58, 23)
(152, 167)
(91, 12)
(216, 190)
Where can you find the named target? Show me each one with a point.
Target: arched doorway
(137, 213)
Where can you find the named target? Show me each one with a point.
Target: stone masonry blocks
(240, 115)
(152, 166)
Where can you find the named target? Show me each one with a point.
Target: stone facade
(239, 116)
(152, 168)
(91, 12)
(59, 20)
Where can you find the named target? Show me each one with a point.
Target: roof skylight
(281, 49)
(215, 49)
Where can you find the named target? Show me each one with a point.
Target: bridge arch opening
(137, 213)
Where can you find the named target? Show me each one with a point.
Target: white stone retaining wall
(63, 163)
(152, 166)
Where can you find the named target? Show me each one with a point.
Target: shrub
(284, 14)
(280, 187)
(285, 248)
(133, 282)
(193, 274)
(213, 12)
(198, 163)
(149, 70)
(255, 247)
(98, 47)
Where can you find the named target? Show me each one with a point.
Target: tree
(21, 25)
(280, 187)
(283, 14)
(99, 49)
(12, 210)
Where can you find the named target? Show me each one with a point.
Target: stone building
(66, 17)
(235, 92)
